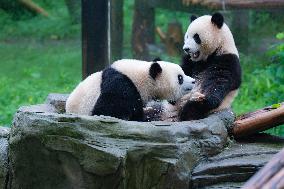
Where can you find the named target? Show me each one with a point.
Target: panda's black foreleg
(193, 110)
(187, 65)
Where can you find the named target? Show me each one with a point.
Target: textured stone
(57, 100)
(237, 163)
(50, 149)
(4, 134)
(54, 150)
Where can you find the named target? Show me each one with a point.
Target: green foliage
(280, 35)
(16, 10)
(57, 26)
(29, 72)
(263, 82)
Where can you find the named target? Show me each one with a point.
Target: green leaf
(280, 35)
(276, 105)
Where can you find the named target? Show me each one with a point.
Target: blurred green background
(41, 55)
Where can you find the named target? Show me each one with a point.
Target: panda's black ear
(157, 59)
(192, 18)
(155, 70)
(217, 19)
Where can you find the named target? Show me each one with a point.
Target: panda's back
(119, 97)
(84, 96)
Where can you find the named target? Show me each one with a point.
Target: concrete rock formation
(50, 149)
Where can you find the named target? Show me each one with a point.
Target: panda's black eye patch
(197, 38)
(180, 79)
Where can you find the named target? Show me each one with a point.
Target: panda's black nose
(186, 50)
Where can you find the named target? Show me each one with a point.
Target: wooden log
(199, 5)
(94, 36)
(236, 4)
(176, 5)
(34, 7)
(270, 176)
(260, 120)
(244, 4)
(143, 31)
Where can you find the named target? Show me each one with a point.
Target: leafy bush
(275, 71)
(263, 81)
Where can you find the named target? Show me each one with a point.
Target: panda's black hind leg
(119, 97)
(110, 105)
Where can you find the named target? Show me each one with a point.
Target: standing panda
(123, 89)
(212, 59)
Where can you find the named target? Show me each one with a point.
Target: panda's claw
(197, 96)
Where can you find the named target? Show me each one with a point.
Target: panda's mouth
(196, 54)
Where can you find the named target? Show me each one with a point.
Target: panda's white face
(206, 35)
(202, 38)
(160, 80)
(172, 83)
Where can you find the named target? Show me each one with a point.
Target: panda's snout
(188, 84)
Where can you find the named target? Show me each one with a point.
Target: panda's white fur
(82, 99)
(212, 38)
(213, 60)
(165, 86)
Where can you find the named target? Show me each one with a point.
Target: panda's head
(169, 80)
(206, 35)
(156, 79)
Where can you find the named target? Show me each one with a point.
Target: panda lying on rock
(122, 89)
(212, 59)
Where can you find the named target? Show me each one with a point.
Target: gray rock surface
(4, 134)
(54, 150)
(57, 101)
(235, 164)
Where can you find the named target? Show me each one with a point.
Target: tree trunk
(143, 31)
(95, 51)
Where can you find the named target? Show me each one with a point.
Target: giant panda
(212, 59)
(122, 89)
